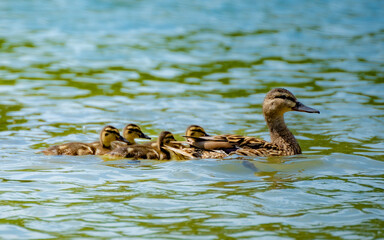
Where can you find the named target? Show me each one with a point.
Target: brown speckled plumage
(73, 148)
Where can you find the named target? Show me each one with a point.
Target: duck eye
(285, 97)
(281, 96)
(129, 131)
(106, 134)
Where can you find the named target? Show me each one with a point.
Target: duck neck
(281, 136)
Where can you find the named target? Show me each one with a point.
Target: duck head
(110, 134)
(279, 101)
(132, 131)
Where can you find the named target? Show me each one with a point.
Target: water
(68, 69)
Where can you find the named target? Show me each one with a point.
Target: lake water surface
(67, 68)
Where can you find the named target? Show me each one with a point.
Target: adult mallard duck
(157, 151)
(277, 102)
(130, 133)
(107, 135)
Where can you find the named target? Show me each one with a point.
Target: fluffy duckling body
(107, 135)
(72, 148)
(277, 102)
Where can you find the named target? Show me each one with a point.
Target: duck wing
(218, 142)
(252, 146)
(261, 152)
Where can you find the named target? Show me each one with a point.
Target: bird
(107, 135)
(157, 151)
(276, 103)
(130, 133)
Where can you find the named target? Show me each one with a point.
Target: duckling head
(132, 131)
(195, 131)
(279, 101)
(110, 134)
(165, 138)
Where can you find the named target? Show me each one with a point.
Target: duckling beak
(302, 108)
(142, 135)
(121, 139)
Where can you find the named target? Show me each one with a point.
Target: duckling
(130, 133)
(193, 135)
(277, 102)
(107, 135)
(165, 143)
(158, 151)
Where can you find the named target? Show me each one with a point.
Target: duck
(276, 103)
(157, 151)
(130, 132)
(107, 135)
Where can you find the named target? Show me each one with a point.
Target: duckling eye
(129, 131)
(106, 134)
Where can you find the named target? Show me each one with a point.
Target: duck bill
(142, 135)
(302, 108)
(121, 139)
